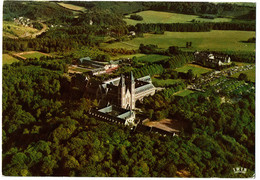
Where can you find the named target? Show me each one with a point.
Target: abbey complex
(122, 92)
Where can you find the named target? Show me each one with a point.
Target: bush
(242, 77)
(136, 17)
(251, 40)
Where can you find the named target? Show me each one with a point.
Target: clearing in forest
(8, 59)
(169, 125)
(12, 30)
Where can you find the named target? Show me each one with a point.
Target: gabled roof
(85, 59)
(145, 78)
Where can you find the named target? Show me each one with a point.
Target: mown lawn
(216, 40)
(165, 82)
(7, 59)
(197, 70)
(166, 17)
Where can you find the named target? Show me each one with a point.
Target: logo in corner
(240, 170)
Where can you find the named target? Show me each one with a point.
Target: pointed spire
(132, 77)
(122, 80)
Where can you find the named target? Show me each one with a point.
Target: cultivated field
(7, 59)
(196, 69)
(11, 30)
(213, 40)
(166, 17)
(72, 7)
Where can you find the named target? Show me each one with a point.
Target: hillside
(33, 10)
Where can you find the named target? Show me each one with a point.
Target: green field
(72, 7)
(197, 70)
(120, 56)
(166, 82)
(213, 40)
(32, 54)
(152, 58)
(184, 93)
(7, 59)
(10, 29)
(166, 17)
(250, 74)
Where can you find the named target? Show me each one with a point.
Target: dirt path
(41, 31)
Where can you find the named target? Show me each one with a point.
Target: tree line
(193, 27)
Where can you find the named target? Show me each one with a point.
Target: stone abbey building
(212, 60)
(121, 91)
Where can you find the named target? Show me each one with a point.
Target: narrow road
(26, 35)
(41, 31)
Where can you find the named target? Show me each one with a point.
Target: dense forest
(34, 10)
(58, 137)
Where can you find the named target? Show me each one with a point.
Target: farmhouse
(211, 60)
(121, 91)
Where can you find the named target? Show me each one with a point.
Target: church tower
(121, 91)
(132, 89)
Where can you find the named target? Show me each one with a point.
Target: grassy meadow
(166, 17)
(7, 59)
(216, 40)
(196, 69)
(10, 29)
